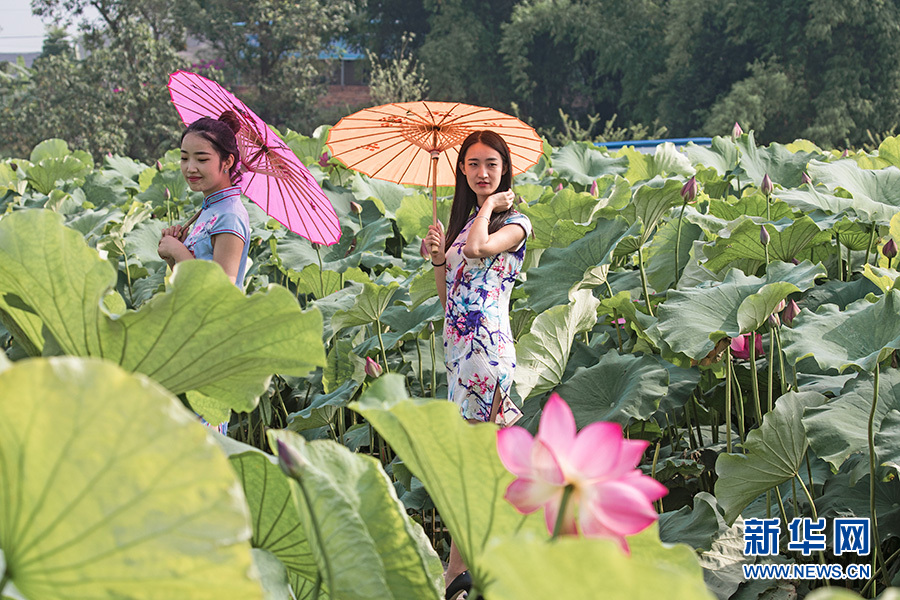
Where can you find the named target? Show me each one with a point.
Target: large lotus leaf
(776, 161)
(295, 253)
(368, 306)
(457, 462)
(543, 352)
(312, 280)
(889, 150)
(885, 279)
(109, 488)
(811, 199)
(618, 388)
(786, 241)
(659, 256)
(583, 163)
(323, 407)
(887, 441)
(364, 544)
(415, 215)
(277, 527)
(844, 497)
(693, 320)
(841, 293)
(651, 201)
(753, 205)
(568, 215)
(839, 428)
(386, 194)
(549, 283)
(859, 336)
(172, 337)
(695, 526)
(341, 300)
(570, 567)
(722, 155)
(723, 562)
(874, 192)
(667, 160)
(774, 453)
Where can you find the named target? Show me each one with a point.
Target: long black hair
(464, 197)
(222, 134)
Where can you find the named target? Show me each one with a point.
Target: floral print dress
(478, 345)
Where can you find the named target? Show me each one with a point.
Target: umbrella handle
(435, 155)
(189, 222)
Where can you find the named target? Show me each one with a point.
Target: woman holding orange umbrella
(475, 266)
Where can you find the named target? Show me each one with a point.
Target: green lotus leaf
(457, 462)
(753, 205)
(272, 574)
(695, 526)
(415, 215)
(323, 407)
(859, 336)
(841, 293)
(618, 388)
(549, 284)
(776, 161)
(569, 215)
(693, 320)
(583, 163)
(887, 441)
(341, 300)
(364, 544)
(295, 253)
(839, 428)
(49, 270)
(873, 196)
(529, 567)
(723, 562)
(885, 279)
(108, 484)
(831, 593)
(659, 256)
(277, 528)
(722, 155)
(543, 352)
(341, 364)
(387, 195)
(666, 160)
(774, 454)
(651, 201)
(786, 241)
(754, 311)
(889, 150)
(368, 306)
(319, 283)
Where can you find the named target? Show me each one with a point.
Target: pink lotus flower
(373, 369)
(736, 131)
(594, 188)
(740, 346)
(609, 496)
(323, 160)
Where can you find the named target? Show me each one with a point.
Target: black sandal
(462, 583)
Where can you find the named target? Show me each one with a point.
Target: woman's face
(201, 166)
(483, 167)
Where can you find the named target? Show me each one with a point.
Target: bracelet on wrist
(482, 217)
(433, 264)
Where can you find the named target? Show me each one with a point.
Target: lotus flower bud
(167, 194)
(764, 235)
(736, 131)
(806, 179)
(550, 171)
(790, 312)
(13, 166)
(890, 249)
(423, 250)
(780, 306)
(291, 462)
(323, 160)
(689, 190)
(594, 189)
(845, 153)
(774, 321)
(559, 187)
(158, 166)
(373, 369)
(355, 208)
(431, 327)
(767, 186)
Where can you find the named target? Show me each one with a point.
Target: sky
(20, 31)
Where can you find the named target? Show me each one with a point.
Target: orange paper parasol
(417, 142)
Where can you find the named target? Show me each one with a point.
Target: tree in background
(460, 53)
(380, 25)
(399, 79)
(115, 100)
(272, 48)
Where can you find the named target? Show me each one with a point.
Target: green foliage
(399, 79)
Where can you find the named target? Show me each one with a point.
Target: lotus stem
(678, 243)
(714, 426)
(387, 369)
(849, 264)
(728, 399)
(771, 369)
(640, 254)
(433, 370)
(768, 504)
(318, 586)
(563, 505)
(618, 334)
(319, 537)
(321, 279)
(794, 496)
(869, 583)
(768, 213)
(739, 398)
(871, 242)
(837, 240)
(876, 543)
(780, 364)
(653, 472)
(754, 378)
(693, 402)
(421, 379)
(812, 504)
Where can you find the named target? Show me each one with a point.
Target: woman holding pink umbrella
(209, 163)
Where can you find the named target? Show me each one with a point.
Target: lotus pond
(662, 312)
